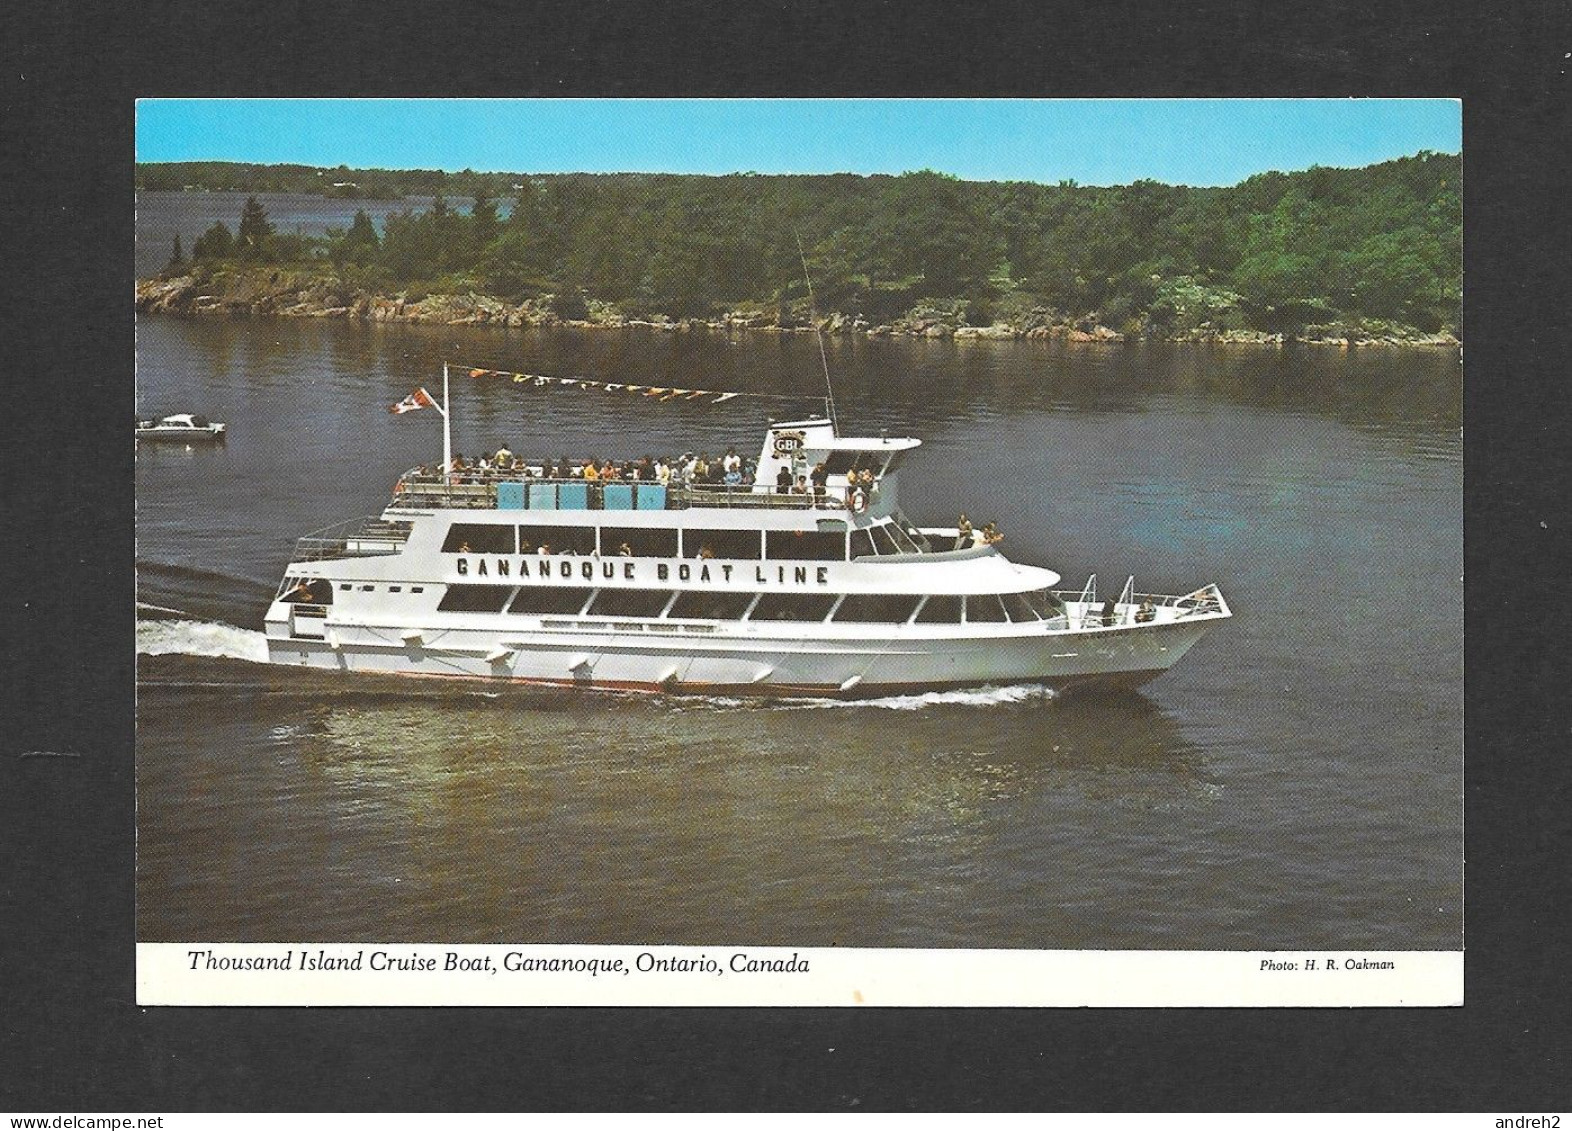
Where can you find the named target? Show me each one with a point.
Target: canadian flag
(418, 399)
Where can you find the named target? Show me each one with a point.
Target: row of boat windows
(643, 542)
(710, 604)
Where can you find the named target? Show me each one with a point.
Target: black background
(71, 1036)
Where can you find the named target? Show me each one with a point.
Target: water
(1296, 782)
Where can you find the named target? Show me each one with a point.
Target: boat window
(711, 604)
(345, 585)
(793, 606)
(474, 598)
(806, 545)
(630, 602)
(722, 543)
(300, 591)
(943, 608)
(478, 538)
(395, 589)
(902, 539)
(919, 539)
(560, 600)
(882, 608)
(984, 609)
(561, 539)
(417, 589)
(1044, 603)
(840, 462)
(1017, 607)
(883, 540)
(862, 544)
(645, 543)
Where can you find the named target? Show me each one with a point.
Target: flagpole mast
(447, 425)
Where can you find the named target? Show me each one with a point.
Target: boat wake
(964, 697)
(1011, 695)
(199, 638)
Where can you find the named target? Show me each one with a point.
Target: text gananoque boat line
(803, 579)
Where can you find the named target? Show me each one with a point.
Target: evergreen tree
(177, 259)
(254, 229)
(483, 219)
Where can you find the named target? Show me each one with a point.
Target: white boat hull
(690, 660)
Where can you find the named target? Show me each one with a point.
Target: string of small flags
(657, 392)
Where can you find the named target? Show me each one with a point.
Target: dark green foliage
(255, 230)
(215, 243)
(1275, 252)
(177, 259)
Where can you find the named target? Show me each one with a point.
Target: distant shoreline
(289, 294)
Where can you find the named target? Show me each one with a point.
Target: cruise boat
(531, 572)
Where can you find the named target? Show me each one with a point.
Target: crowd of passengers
(728, 470)
(688, 469)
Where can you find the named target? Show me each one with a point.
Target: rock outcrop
(302, 294)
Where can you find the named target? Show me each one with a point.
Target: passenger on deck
(801, 486)
(783, 480)
(731, 461)
(504, 458)
(820, 476)
(991, 535)
(526, 546)
(963, 532)
(733, 476)
(624, 551)
(591, 472)
(1146, 613)
(1109, 610)
(662, 472)
(706, 551)
(544, 551)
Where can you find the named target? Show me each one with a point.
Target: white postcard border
(431, 974)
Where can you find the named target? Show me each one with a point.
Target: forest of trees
(1276, 252)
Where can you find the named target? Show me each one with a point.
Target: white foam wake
(199, 638)
(965, 697)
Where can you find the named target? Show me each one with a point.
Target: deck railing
(1205, 600)
(356, 538)
(491, 490)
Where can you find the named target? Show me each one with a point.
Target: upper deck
(528, 489)
(802, 466)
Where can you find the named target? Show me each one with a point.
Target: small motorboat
(181, 426)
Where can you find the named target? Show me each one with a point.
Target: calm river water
(1295, 782)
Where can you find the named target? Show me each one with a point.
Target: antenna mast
(813, 310)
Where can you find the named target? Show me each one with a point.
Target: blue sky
(1094, 142)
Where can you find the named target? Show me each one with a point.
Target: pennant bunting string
(658, 392)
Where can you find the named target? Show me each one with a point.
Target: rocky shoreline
(301, 295)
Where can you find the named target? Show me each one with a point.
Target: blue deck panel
(510, 496)
(618, 496)
(542, 496)
(651, 497)
(573, 496)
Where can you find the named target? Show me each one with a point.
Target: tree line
(1277, 252)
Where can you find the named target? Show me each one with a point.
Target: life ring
(857, 501)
